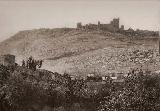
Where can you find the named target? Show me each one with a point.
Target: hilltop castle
(114, 26)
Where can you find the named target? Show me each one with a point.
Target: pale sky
(23, 15)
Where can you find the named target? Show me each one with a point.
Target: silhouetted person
(32, 64)
(23, 63)
(40, 64)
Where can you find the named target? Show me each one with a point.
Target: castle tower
(7, 60)
(99, 24)
(115, 23)
(122, 27)
(79, 25)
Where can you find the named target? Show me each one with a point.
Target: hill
(76, 51)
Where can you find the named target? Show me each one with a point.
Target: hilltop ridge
(51, 42)
(72, 50)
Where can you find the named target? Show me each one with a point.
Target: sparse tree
(32, 63)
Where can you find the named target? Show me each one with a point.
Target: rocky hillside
(75, 51)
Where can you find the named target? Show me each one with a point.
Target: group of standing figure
(32, 63)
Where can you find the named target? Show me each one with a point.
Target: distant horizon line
(74, 27)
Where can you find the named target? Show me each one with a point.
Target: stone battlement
(113, 26)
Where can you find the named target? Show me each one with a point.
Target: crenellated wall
(113, 26)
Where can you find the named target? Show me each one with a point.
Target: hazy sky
(24, 15)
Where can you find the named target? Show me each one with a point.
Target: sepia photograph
(79, 55)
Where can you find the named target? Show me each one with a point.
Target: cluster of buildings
(114, 77)
(114, 26)
(9, 60)
(139, 33)
(93, 77)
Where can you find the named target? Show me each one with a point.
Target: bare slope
(55, 43)
(71, 50)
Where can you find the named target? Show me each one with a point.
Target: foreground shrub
(139, 93)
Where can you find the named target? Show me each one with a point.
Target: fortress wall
(108, 27)
(113, 26)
